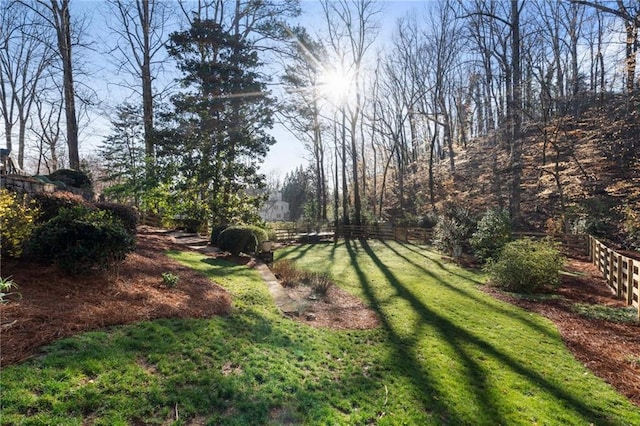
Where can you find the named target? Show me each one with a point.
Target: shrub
(287, 273)
(72, 178)
(79, 239)
(494, 231)
(170, 280)
(215, 233)
(631, 226)
(126, 214)
(320, 283)
(429, 220)
(51, 204)
(526, 266)
(260, 233)
(454, 229)
(17, 222)
(236, 239)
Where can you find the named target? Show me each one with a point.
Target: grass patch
(445, 353)
(607, 313)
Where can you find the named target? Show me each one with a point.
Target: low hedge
(126, 214)
(242, 239)
(80, 238)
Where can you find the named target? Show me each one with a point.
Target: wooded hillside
(585, 167)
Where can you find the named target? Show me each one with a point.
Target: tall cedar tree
(123, 156)
(222, 116)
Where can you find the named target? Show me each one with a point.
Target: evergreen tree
(297, 190)
(123, 156)
(221, 115)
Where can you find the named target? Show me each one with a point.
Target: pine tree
(222, 116)
(123, 156)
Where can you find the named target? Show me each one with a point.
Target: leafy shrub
(126, 214)
(260, 233)
(170, 280)
(72, 178)
(236, 239)
(454, 229)
(50, 204)
(215, 233)
(494, 231)
(17, 222)
(526, 266)
(429, 220)
(80, 238)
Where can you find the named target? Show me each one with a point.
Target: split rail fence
(620, 272)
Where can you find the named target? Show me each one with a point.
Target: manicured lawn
(445, 353)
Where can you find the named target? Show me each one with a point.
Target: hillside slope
(585, 170)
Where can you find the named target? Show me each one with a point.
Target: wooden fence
(293, 231)
(385, 232)
(620, 272)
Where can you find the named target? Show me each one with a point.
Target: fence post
(618, 275)
(630, 283)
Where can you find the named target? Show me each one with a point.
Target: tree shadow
(441, 281)
(461, 341)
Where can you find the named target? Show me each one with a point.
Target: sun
(335, 84)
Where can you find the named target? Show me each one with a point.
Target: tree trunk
(147, 92)
(516, 104)
(62, 19)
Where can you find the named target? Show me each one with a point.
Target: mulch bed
(54, 306)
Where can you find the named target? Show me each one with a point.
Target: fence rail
(289, 232)
(620, 272)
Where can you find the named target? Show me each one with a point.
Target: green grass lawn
(445, 353)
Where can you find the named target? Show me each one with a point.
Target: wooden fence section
(621, 272)
(292, 231)
(385, 232)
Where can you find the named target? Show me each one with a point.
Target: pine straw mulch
(611, 350)
(336, 309)
(54, 306)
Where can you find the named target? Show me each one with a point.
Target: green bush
(50, 204)
(631, 226)
(454, 229)
(215, 233)
(494, 231)
(526, 266)
(79, 239)
(237, 239)
(17, 222)
(126, 214)
(72, 178)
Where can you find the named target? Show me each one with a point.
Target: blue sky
(287, 154)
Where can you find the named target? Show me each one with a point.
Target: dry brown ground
(54, 306)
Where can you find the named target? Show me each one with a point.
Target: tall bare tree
(629, 12)
(57, 16)
(140, 50)
(23, 61)
(352, 28)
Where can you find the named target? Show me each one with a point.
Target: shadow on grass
(458, 338)
(523, 319)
